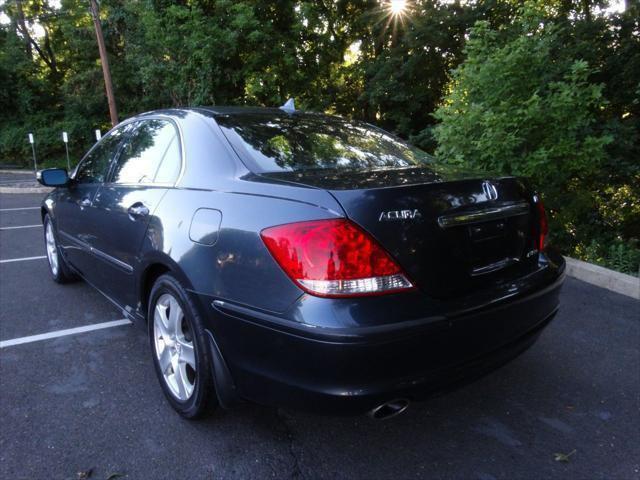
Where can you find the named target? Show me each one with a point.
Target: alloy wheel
(174, 347)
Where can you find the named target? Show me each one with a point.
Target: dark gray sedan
(302, 260)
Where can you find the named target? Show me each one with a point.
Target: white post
(65, 139)
(98, 135)
(33, 150)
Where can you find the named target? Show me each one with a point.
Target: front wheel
(58, 267)
(180, 355)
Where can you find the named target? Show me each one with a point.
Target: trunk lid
(452, 232)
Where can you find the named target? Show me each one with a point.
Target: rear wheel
(58, 267)
(180, 354)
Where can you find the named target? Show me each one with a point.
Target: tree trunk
(22, 26)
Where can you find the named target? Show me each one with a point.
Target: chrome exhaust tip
(389, 409)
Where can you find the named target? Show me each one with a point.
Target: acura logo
(393, 215)
(489, 190)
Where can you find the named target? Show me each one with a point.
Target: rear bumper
(358, 398)
(351, 374)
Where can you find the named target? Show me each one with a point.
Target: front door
(147, 165)
(75, 209)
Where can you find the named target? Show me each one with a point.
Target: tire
(58, 267)
(179, 349)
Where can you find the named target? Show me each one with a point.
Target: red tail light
(543, 225)
(334, 258)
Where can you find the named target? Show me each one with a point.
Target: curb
(22, 189)
(16, 171)
(604, 278)
(25, 190)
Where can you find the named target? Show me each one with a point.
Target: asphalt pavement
(568, 408)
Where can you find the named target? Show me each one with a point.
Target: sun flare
(397, 7)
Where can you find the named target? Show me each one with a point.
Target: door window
(95, 165)
(150, 154)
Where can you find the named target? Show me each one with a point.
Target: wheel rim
(52, 251)
(174, 348)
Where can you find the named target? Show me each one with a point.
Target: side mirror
(53, 177)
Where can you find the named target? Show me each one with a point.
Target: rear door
(148, 164)
(75, 208)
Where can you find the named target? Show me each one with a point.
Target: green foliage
(514, 111)
(526, 102)
(618, 255)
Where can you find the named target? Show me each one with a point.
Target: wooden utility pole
(111, 99)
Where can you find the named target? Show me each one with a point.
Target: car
(302, 260)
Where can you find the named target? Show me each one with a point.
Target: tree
(524, 102)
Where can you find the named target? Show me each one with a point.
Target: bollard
(65, 139)
(33, 150)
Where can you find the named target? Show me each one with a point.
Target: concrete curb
(16, 171)
(25, 189)
(14, 189)
(603, 277)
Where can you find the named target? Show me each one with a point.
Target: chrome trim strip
(109, 258)
(75, 240)
(483, 215)
(492, 267)
(98, 253)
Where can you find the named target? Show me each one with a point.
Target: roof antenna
(289, 106)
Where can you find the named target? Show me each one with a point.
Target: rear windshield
(276, 143)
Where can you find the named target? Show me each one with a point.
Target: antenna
(289, 106)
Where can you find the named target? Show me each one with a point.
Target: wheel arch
(147, 278)
(150, 271)
(225, 387)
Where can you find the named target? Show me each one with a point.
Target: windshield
(284, 142)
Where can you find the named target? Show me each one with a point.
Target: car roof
(223, 110)
(231, 110)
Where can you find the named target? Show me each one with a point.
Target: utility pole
(111, 99)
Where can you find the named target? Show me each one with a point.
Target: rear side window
(150, 154)
(95, 165)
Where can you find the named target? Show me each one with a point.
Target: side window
(141, 158)
(95, 165)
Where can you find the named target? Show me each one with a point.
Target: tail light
(543, 229)
(334, 258)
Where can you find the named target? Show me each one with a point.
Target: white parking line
(10, 260)
(21, 208)
(21, 226)
(63, 333)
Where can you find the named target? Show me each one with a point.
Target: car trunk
(453, 233)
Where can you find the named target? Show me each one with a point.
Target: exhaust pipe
(389, 409)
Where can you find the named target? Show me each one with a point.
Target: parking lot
(90, 401)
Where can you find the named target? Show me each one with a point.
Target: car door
(148, 164)
(75, 220)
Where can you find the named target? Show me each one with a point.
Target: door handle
(137, 210)
(85, 202)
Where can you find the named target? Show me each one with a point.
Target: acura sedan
(302, 260)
